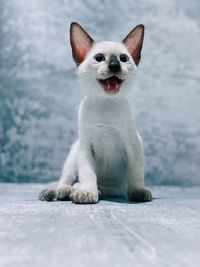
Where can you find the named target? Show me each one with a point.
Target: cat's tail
(47, 194)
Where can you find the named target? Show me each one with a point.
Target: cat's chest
(109, 149)
(106, 127)
(108, 139)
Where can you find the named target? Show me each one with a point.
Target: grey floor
(165, 232)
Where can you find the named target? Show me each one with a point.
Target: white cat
(107, 159)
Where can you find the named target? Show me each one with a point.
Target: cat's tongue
(111, 85)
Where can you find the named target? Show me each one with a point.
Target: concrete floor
(165, 232)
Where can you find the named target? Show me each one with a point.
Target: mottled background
(39, 94)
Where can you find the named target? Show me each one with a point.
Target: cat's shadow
(126, 201)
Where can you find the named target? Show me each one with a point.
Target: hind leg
(47, 194)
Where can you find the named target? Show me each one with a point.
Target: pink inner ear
(81, 42)
(133, 41)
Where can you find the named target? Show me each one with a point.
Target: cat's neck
(99, 106)
(101, 100)
(113, 111)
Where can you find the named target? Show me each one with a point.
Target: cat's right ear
(80, 41)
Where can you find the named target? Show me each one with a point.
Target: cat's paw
(47, 194)
(84, 197)
(139, 195)
(63, 193)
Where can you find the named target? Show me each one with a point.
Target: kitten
(107, 159)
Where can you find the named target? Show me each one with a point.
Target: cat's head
(106, 68)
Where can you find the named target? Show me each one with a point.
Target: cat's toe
(139, 195)
(84, 197)
(47, 194)
(63, 193)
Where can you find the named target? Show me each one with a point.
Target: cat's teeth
(112, 85)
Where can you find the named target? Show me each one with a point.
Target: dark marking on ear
(81, 42)
(134, 41)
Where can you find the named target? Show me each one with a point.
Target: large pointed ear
(80, 41)
(133, 41)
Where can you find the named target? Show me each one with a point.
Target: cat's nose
(114, 64)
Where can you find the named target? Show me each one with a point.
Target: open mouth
(111, 85)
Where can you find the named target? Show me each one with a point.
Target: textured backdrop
(39, 94)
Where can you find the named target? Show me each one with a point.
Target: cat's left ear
(80, 41)
(133, 41)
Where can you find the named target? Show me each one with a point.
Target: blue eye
(99, 57)
(124, 58)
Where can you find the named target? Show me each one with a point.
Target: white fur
(107, 158)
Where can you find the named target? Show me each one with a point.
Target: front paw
(139, 195)
(63, 193)
(84, 197)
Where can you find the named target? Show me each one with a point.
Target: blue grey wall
(39, 94)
